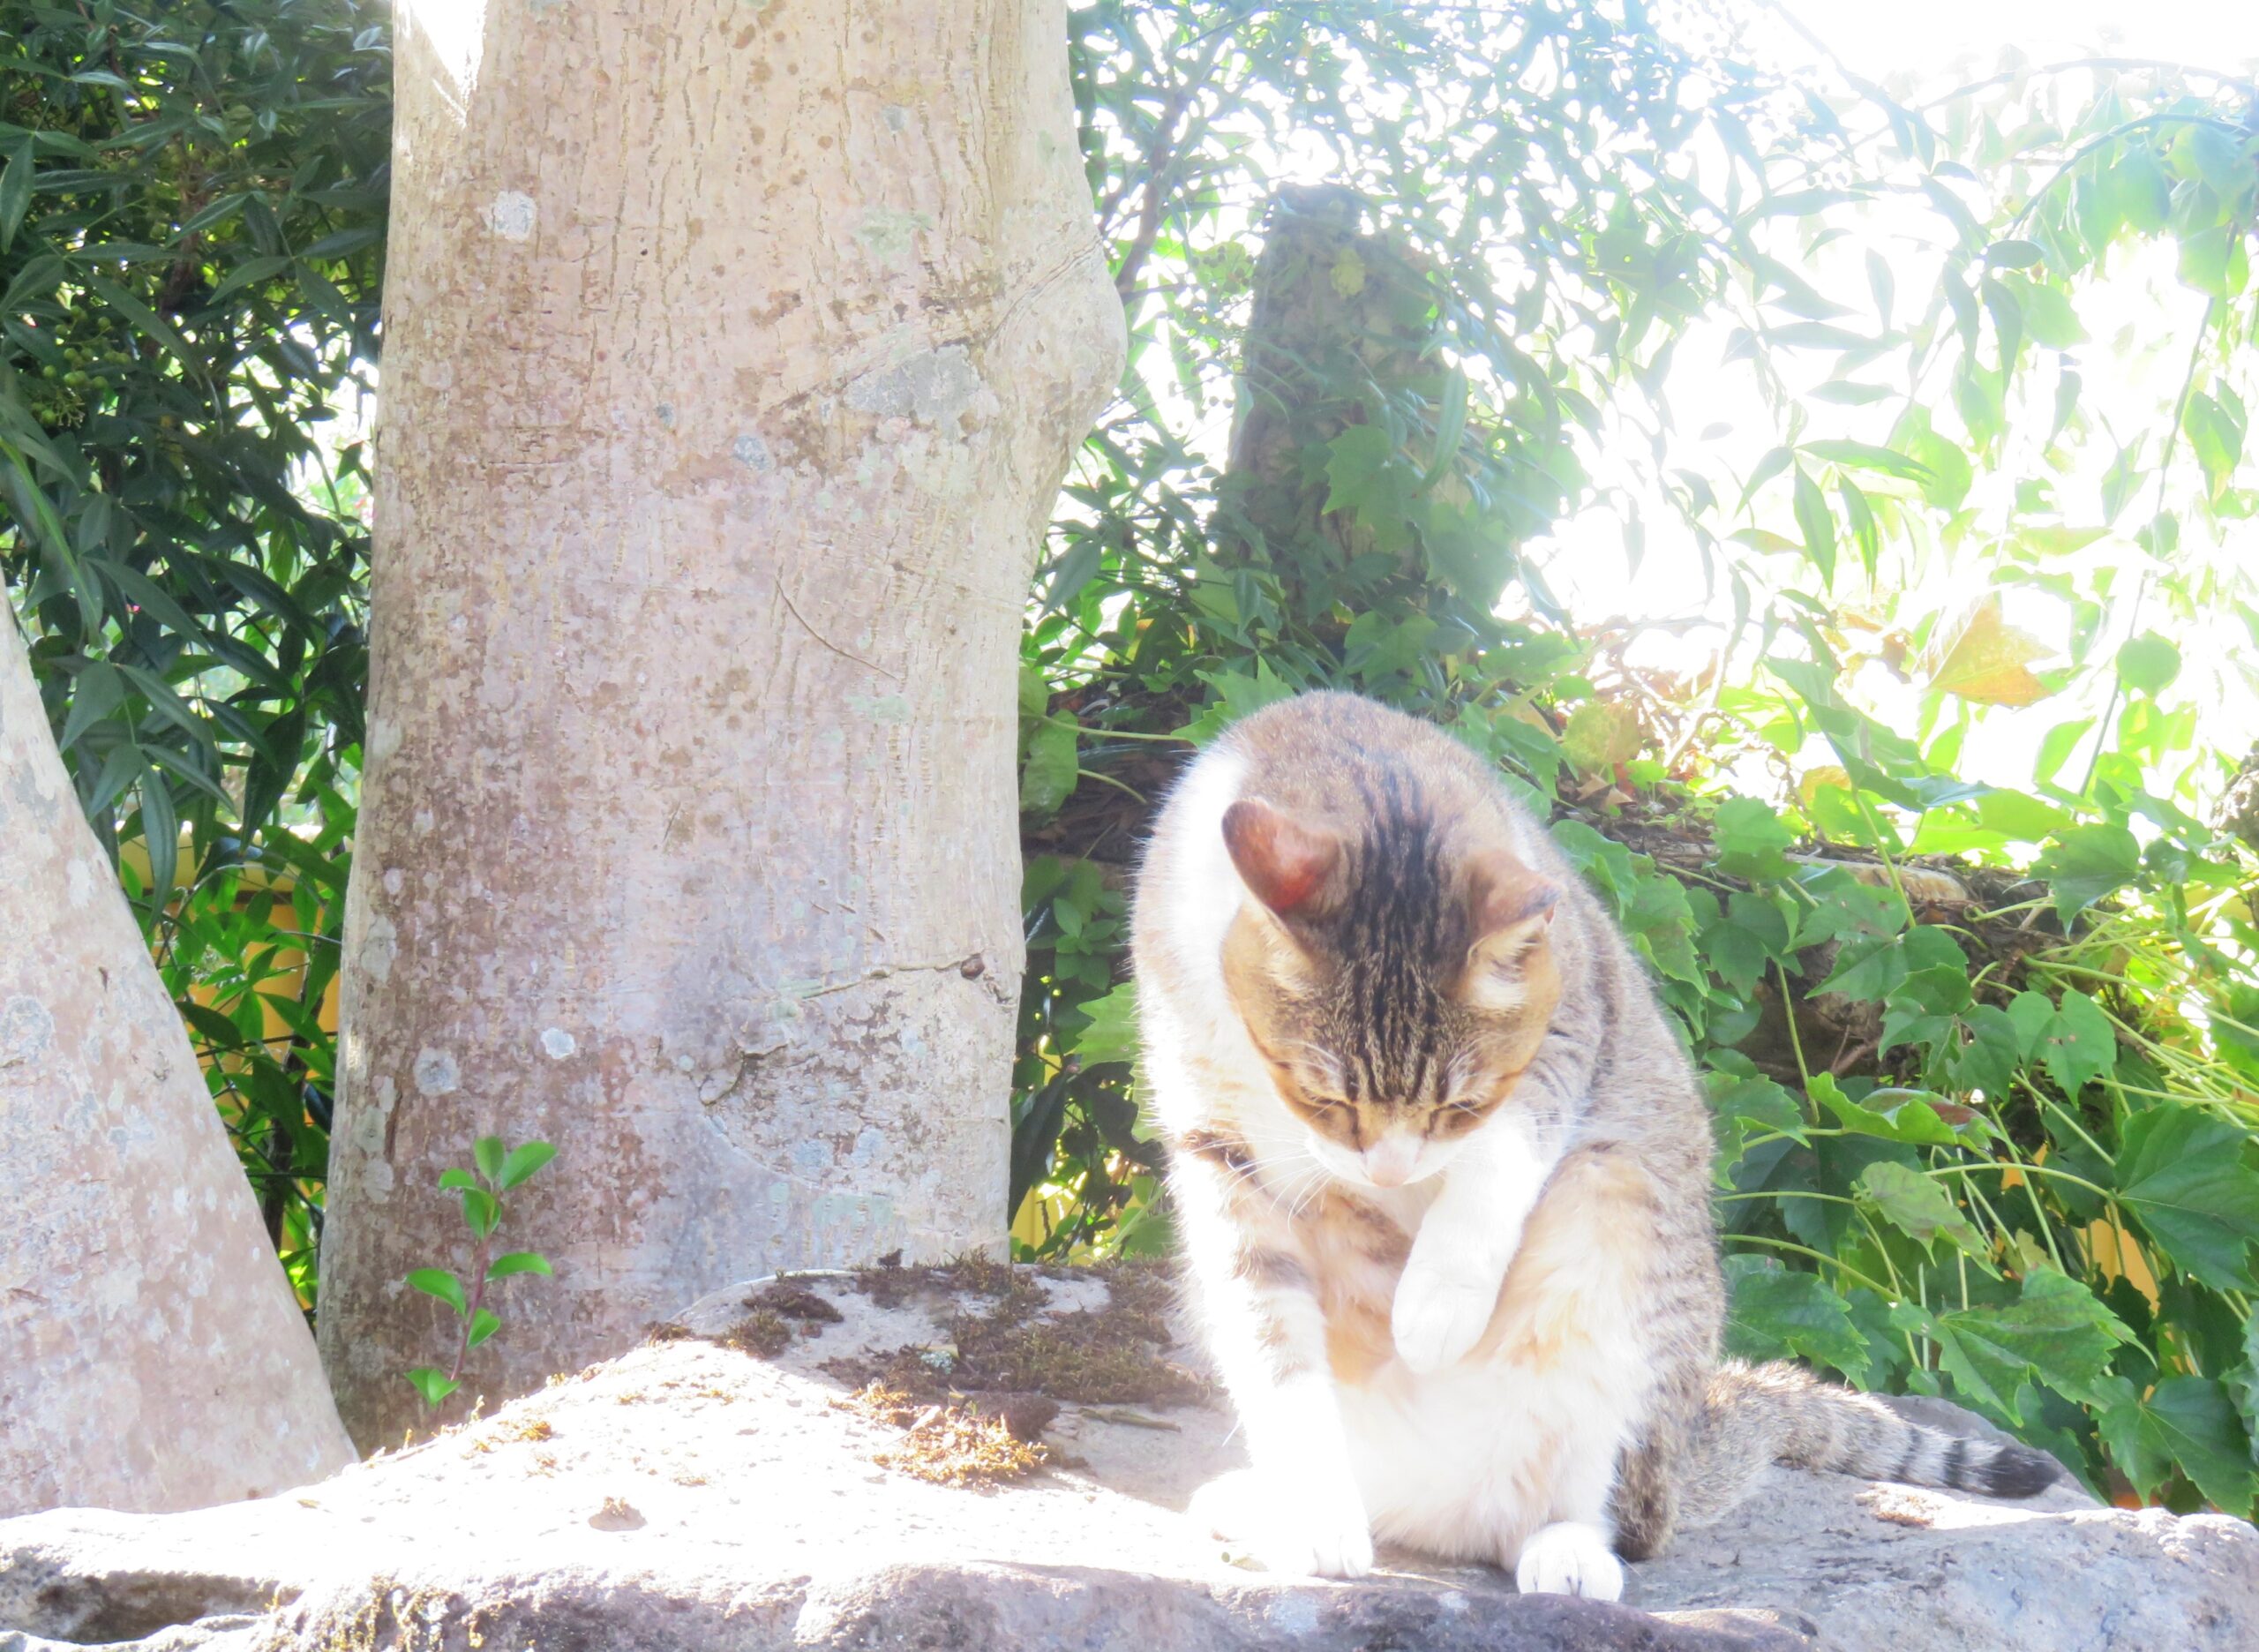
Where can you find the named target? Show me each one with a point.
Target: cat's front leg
(1466, 1243)
(1299, 1508)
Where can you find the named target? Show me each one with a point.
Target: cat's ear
(1288, 864)
(1513, 908)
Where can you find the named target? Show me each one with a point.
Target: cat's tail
(1753, 1414)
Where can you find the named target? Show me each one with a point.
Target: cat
(1442, 1176)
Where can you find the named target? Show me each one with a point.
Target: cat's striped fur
(1443, 1175)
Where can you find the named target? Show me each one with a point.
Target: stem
(2164, 470)
(1795, 1039)
(480, 1257)
(1847, 1270)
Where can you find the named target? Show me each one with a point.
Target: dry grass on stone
(947, 1445)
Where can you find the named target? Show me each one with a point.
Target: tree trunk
(733, 356)
(151, 1355)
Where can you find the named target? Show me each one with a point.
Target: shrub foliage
(1981, 1044)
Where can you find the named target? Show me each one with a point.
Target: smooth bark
(152, 1356)
(733, 356)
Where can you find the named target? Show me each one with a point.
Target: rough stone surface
(688, 1495)
(135, 1285)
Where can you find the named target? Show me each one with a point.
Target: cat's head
(1396, 985)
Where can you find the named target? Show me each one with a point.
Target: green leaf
(524, 1160)
(95, 693)
(2140, 189)
(1112, 1034)
(440, 1283)
(2049, 319)
(1988, 1061)
(2186, 1422)
(2185, 1173)
(1750, 839)
(2086, 863)
(161, 835)
(2148, 663)
(457, 1177)
(1364, 476)
(481, 1211)
(484, 1323)
(1450, 427)
(15, 189)
(1867, 456)
(1777, 1312)
(2213, 260)
(2057, 1331)
(1917, 1206)
(2079, 1046)
(1759, 1101)
(1049, 777)
(1817, 523)
(517, 1262)
(433, 1385)
(486, 1152)
(1599, 734)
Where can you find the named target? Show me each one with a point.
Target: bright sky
(1939, 44)
(1923, 37)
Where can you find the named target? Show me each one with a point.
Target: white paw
(1570, 1558)
(1302, 1528)
(1438, 1317)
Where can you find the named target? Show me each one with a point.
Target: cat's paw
(1570, 1558)
(1315, 1532)
(1298, 1529)
(1438, 1317)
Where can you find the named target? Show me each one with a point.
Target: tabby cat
(1443, 1175)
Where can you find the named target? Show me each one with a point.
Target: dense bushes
(1980, 1043)
(191, 224)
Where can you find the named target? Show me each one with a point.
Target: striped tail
(1753, 1414)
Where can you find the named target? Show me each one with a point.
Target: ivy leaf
(1988, 1061)
(2148, 663)
(1112, 1033)
(2189, 1422)
(1750, 839)
(1982, 658)
(2057, 1331)
(1917, 1206)
(1599, 734)
(1364, 476)
(2243, 1381)
(2074, 1038)
(1047, 779)
(1922, 1010)
(1757, 1101)
(1843, 907)
(1777, 1312)
(2183, 1173)
(2088, 862)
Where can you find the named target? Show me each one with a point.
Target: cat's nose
(1390, 1163)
